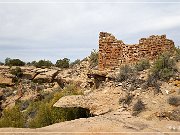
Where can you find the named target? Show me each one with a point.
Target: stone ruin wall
(113, 52)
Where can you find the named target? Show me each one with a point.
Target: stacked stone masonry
(113, 52)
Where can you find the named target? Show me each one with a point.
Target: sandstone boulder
(28, 75)
(71, 101)
(4, 67)
(39, 70)
(97, 76)
(98, 101)
(6, 80)
(46, 77)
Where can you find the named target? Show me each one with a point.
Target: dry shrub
(138, 107)
(174, 100)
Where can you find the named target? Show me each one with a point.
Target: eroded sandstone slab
(100, 101)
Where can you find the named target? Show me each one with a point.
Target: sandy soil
(112, 123)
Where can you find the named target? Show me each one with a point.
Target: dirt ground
(118, 122)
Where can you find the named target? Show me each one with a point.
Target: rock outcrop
(98, 102)
(4, 80)
(47, 75)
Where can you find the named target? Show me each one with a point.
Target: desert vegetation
(40, 113)
(63, 63)
(160, 71)
(93, 58)
(131, 81)
(14, 62)
(142, 65)
(174, 100)
(43, 64)
(17, 72)
(125, 73)
(164, 67)
(138, 107)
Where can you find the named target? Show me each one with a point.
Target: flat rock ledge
(98, 102)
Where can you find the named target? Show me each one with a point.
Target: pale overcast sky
(53, 29)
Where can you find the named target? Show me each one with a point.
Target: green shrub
(47, 114)
(36, 114)
(63, 63)
(14, 62)
(93, 58)
(163, 67)
(17, 72)
(33, 63)
(164, 61)
(23, 105)
(142, 65)
(43, 64)
(124, 73)
(43, 117)
(175, 100)
(12, 117)
(166, 73)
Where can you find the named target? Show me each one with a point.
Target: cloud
(40, 30)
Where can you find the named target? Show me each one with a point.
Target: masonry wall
(113, 52)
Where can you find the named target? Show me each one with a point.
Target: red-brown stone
(113, 52)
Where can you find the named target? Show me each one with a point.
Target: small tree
(63, 63)
(17, 72)
(14, 62)
(33, 63)
(42, 118)
(142, 65)
(12, 117)
(93, 58)
(43, 63)
(163, 67)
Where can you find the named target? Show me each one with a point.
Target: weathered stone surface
(97, 77)
(78, 101)
(4, 67)
(178, 66)
(113, 52)
(9, 75)
(76, 75)
(98, 102)
(96, 72)
(46, 76)
(39, 70)
(29, 75)
(5, 80)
